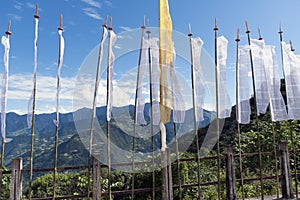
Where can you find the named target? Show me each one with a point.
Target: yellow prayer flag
(165, 59)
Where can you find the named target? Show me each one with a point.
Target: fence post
(230, 174)
(286, 180)
(96, 179)
(16, 179)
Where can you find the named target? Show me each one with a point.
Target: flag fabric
(104, 36)
(140, 118)
(6, 44)
(112, 41)
(277, 105)
(291, 64)
(165, 59)
(224, 103)
(163, 136)
(60, 61)
(261, 87)
(155, 79)
(199, 84)
(243, 104)
(178, 102)
(31, 99)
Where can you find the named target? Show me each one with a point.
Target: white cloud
(14, 17)
(126, 28)
(108, 3)
(18, 5)
(91, 12)
(92, 3)
(30, 5)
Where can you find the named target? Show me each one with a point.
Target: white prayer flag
(224, 103)
(112, 40)
(104, 36)
(30, 102)
(277, 106)
(261, 87)
(243, 107)
(155, 82)
(140, 118)
(6, 44)
(60, 61)
(292, 81)
(199, 85)
(178, 102)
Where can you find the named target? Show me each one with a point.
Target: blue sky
(82, 20)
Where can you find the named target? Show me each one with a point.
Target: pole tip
(259, 34)
(190, 31)
(144, 23)
(238, 35)
(110, 24)
(247, 27)
(36, 11)
(8, 32)
(104, 24)
(280, 29)
(216, 25)
(60, 23)
(291, 45)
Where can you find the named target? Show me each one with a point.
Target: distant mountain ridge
(71, 150)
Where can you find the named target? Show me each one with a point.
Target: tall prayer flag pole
(194, 111)
(60, 60)
(290, 121)
(142, 48)
(256, 113)
(109, 100)
(237, 111)
(36, 16)
(6, 44)
(94, 106)
(217, 107)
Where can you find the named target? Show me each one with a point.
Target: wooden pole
(151, 113)
(217, 108)
(230, 174)
(36, 16)
(290, 121)
(143, 27)
(108, 122)
(97, 193)
(94, 109)
(194, 112)
(16, 179)
(60, 28)
(286, 181)
(237, 110)
(256, 114)
(8, 33)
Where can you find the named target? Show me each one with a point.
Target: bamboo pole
(290, 121)
(237, 110)
(151, 113)
(36, 16)
(143, 27)
(274, 140)
(94, 108)
(7, 33)
(256, 114)
(293, 143)
(217, 108)
(151, 105)
(60, 28)
(194, 112)
(108, 122)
